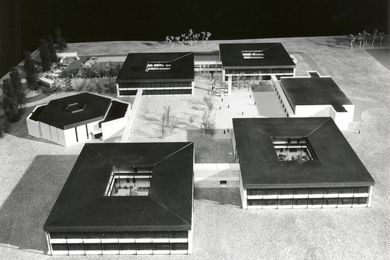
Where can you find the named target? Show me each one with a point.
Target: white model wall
(81, 133)
(33, 127)
(45, 131)
(112, 127)
(313, 111)
(342, 119)
(70, 137)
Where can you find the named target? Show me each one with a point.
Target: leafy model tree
(52, 49)
(31, 71)
(10, 102)
(17, 86)
(3, 119)
(60, 40)
(45, 55)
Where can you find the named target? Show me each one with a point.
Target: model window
(255, 202)
(112, 246)
(76, 247)
(285, 202)
(60, 247)
(93, 247)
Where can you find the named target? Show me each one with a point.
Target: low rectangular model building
(125, 198)
(169, 73)
(298, 163)
(315, 96)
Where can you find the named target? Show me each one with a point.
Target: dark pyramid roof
(133, 69)
(275, 55)
(93, 108)
(336, 165)
(314, 91)
(82, 206)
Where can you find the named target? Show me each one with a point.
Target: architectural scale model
(78, 118)
(254, 61)
(298, 163)
(125, 198)
(315, 96)
(157, 74)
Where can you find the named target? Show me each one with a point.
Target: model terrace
(123, 198)
(298, 163)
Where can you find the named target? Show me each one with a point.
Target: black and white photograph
(194, 129)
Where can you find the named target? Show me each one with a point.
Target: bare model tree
(360, 39)
(208, 122)
(352, 40)
(374, 36)
(381, 36)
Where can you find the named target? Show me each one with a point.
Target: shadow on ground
(224, 196)
(19, 128)
(24, 212)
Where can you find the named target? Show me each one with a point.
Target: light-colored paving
(268, 104)
(240, 104)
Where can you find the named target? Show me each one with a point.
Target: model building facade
(298, 163)
(78, 118)
(125, 198)
(157, 74)
(315, 96)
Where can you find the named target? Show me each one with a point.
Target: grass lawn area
(209, 149)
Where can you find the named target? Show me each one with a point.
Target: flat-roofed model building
(78, 118)
(125, 198)
(157, 74)
(298, 163)
(243, 61)
(315, 96)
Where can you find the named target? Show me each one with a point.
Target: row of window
(259, 71)
(309, 191)
(117, 247)
(79, 235)
(167, 92)
(309, 202)
(157, 85)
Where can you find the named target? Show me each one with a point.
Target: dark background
(23, 22)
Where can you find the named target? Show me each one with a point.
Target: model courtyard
(33, 171)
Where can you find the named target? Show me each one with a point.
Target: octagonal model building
(78, 118)
(125, 198)
(169, 73)
(298, 163)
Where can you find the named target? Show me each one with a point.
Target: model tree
(374, 36)
(10, 102)
(45, 55)
(52, 49)
(31, 71)
(3, 119)
(17, 86)
(381, 36)
(60, 40)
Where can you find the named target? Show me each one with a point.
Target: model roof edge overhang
(308, 185)
(249, 164)
(162, 80)
(142, 228)
(260, 67)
